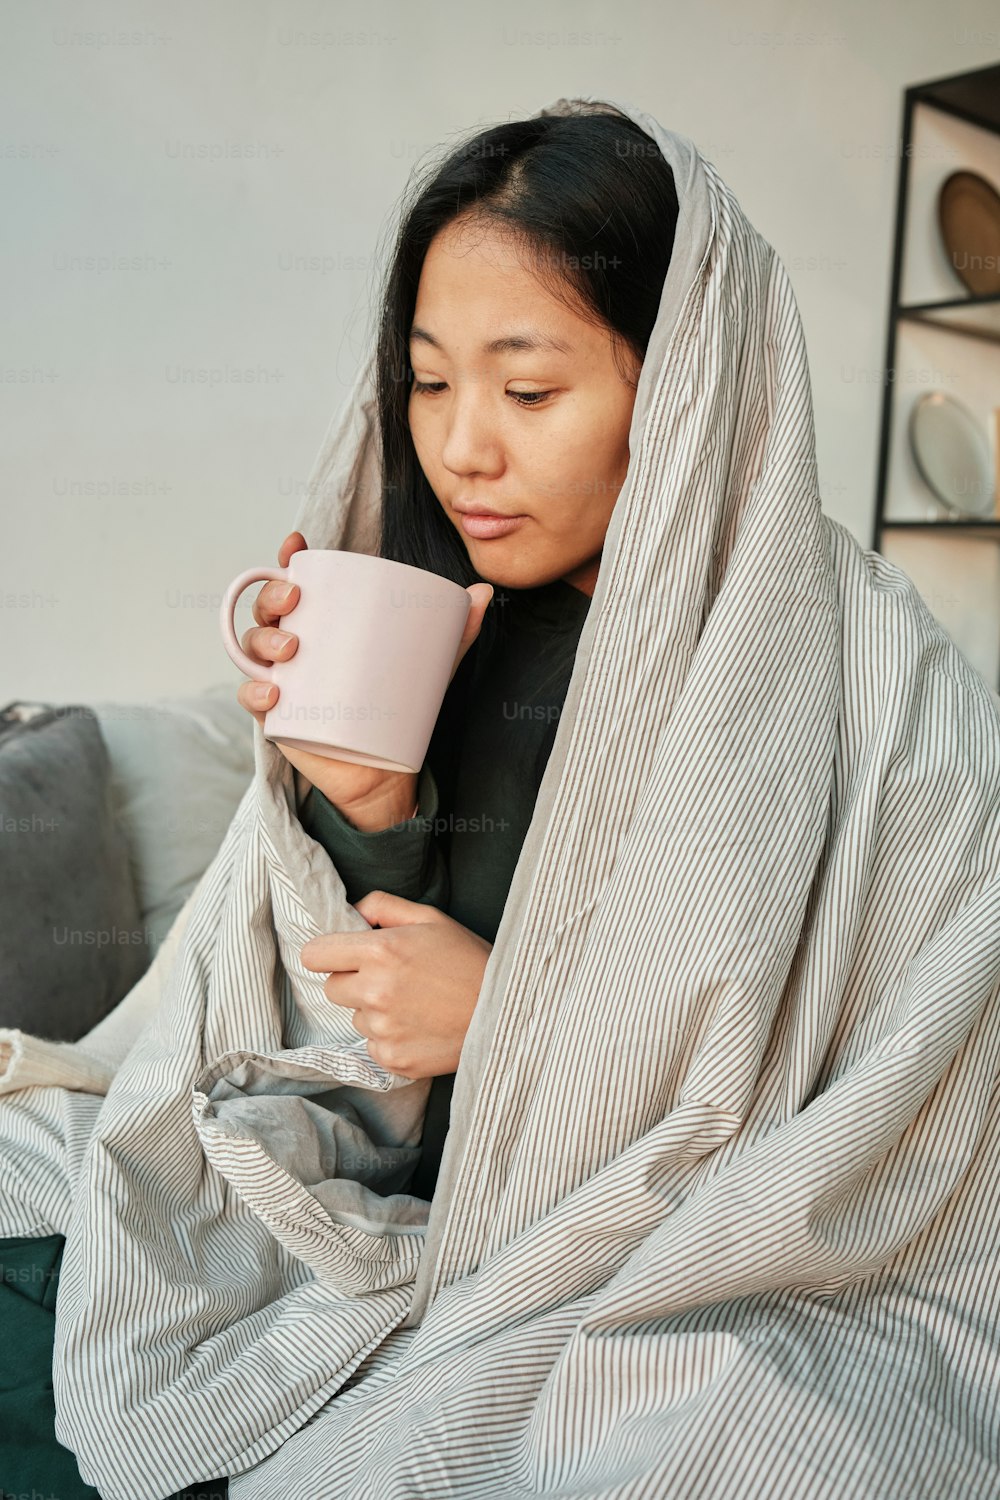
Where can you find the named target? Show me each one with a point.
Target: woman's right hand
(367, 795)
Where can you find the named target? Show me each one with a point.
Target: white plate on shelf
(952, 454)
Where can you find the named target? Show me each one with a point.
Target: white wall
(131, 497)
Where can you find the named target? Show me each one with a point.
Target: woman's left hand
(413, 983)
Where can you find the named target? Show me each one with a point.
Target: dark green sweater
(477, 791)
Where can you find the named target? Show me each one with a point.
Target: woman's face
(558, 455)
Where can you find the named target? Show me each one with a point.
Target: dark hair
(592, 200)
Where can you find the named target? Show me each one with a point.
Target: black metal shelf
(991, 300)
(985, 530)
(973, 97)
(947, 316)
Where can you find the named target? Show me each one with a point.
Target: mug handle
(227, 618)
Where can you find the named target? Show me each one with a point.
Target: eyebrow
(526, 339)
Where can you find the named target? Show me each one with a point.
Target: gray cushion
(72, 942)
(179, 769)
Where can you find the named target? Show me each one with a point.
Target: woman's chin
(510, 578)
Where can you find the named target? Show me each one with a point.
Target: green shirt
(477, 790)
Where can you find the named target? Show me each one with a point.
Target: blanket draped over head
(718, 1214)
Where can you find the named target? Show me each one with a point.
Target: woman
(534, 425)
(716, 1211)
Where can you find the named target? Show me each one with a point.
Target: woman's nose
(470, 442)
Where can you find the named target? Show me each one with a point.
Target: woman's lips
(486, 527)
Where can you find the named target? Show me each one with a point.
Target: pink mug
(377, 644)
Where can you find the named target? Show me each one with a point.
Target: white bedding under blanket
(719, 1211)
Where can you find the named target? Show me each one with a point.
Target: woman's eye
(523, 398)
(529, 398)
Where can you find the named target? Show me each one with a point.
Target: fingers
(480, 594)
(264, 644)
(294, 542)
(277, 599)
(257, 698)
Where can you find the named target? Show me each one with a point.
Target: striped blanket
(718, 1213)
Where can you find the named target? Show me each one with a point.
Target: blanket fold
(717, 1212)
(235, 1197)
